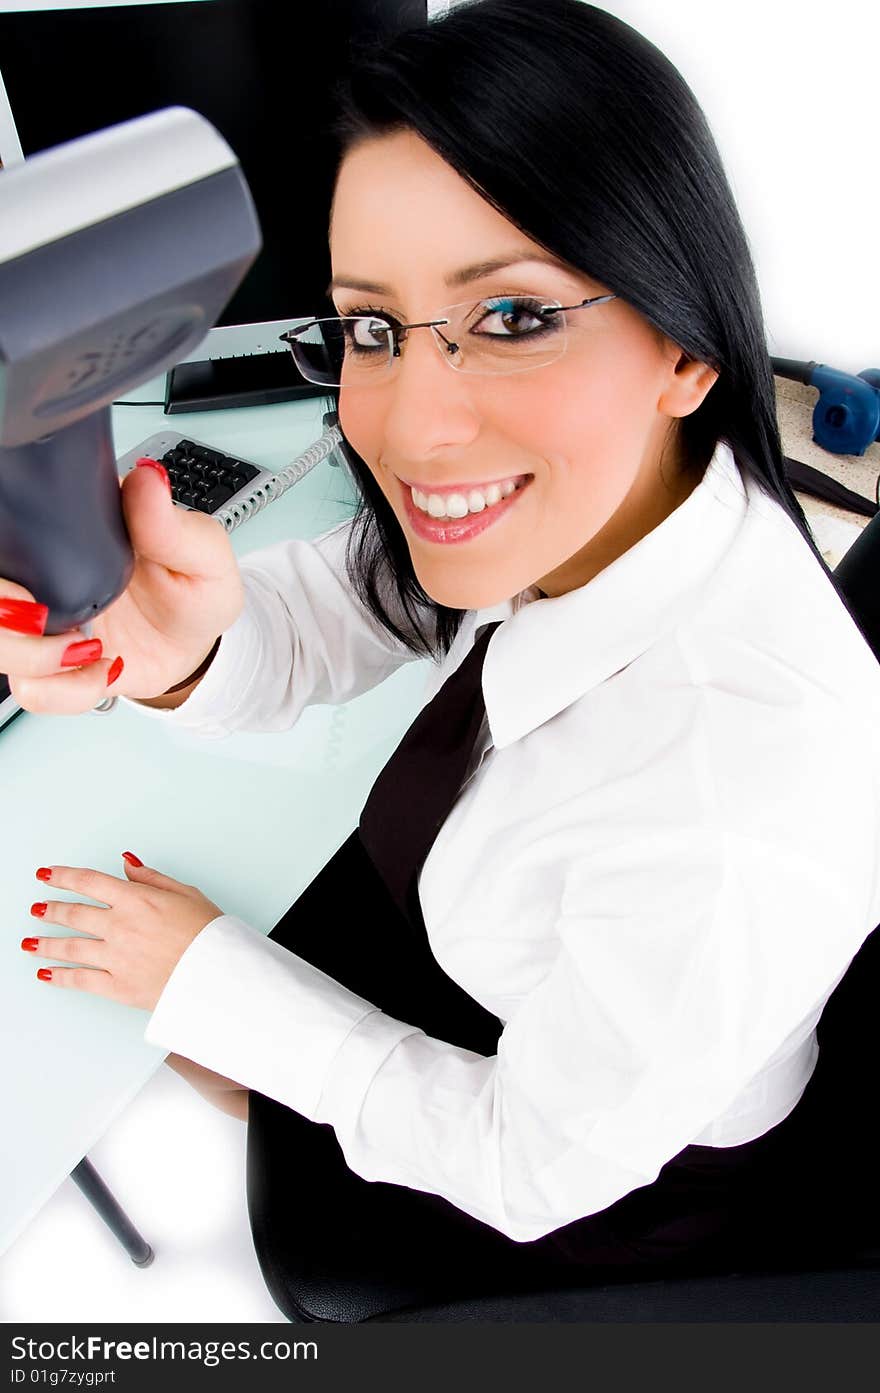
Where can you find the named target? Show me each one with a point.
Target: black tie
(360, 919)
(411, 798)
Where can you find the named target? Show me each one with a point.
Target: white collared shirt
(660, 867)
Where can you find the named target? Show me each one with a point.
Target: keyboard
(202, 476)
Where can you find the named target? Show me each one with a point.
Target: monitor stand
(255, 379)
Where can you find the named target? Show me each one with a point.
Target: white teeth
(456, 505)
(436, 506)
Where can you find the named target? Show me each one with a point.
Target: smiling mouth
(462, 500)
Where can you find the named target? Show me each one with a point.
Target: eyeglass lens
(503, 334)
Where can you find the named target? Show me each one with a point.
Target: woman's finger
(82, 880)
(81, 979)
(65, 693)
(84, 952)
(146, 875)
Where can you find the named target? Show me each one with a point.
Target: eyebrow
(476, 271)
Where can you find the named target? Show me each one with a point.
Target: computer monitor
(258, 70)
(261, 71)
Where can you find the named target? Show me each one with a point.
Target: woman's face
(585, 432)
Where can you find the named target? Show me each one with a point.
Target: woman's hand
(184, 591)
(138, 934)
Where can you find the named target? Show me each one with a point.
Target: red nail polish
(115, 668)
(87, 651)
(30, 945)
(44, 873)
(24, 616)
(132, 859)
(44, 974)
(160, 468)
(39, 909)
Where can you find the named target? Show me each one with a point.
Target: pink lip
(456, 529)
(444, 489)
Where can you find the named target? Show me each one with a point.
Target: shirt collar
(549, 652)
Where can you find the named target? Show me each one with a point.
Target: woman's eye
(370, 333)
(513, 318)
(366, 328)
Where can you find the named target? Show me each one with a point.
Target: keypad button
(216, 497)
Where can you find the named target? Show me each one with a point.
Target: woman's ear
(689, 384)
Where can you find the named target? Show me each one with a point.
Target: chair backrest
(846, 1027)
(857, 579)
(836, 1112)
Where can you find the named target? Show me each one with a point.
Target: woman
(556, 1021)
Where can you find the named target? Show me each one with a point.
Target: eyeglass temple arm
(596, 300)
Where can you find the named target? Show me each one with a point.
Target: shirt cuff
(243, 1005)
(224, 686)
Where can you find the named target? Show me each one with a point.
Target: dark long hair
(587, 138)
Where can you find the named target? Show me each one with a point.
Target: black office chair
(821, 1261)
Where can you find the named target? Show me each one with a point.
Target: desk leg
(94, 1189)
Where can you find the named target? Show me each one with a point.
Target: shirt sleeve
(304, 637)
(686, 958)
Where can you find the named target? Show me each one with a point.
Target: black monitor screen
(260, 71)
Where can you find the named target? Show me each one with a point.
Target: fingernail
(39, 909)
(132, 859)
(44, 873)
(88, 651)
(115, 668)
(44, 974)
(154, 464)
(30, 945)
(24, 616)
